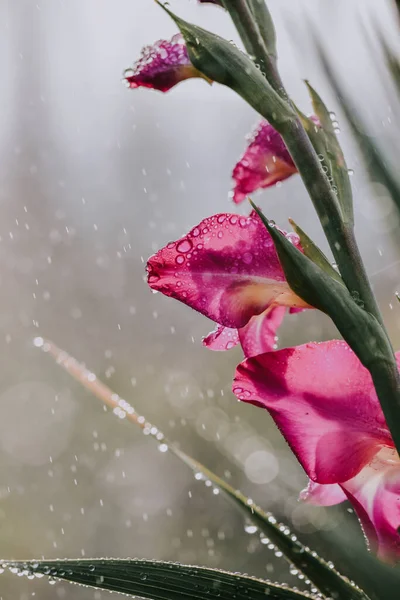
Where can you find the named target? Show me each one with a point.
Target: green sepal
(326, 145)
(221, 61)
(314, 253)
(156, 580)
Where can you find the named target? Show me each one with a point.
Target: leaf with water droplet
(156, 579)
(325, 142)
(329, 582)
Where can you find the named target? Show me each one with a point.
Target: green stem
(340, 235)
(253, 41)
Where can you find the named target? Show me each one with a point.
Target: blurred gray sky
(93, 179)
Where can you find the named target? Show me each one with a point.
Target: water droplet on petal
(184, 246)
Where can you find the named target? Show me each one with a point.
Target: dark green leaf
(221, 61)
(324, 577)
(157, 580)
(327, 146)
(314, 253)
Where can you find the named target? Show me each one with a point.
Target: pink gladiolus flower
(265, 161)
(162, 66)
(227, 268)
(323, 401)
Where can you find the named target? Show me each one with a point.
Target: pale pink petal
(323, 401)
(375, 496)
(321, 494)
(226, 268)
(162, 66)
(259, 335)
(222, 338)
(264, 162)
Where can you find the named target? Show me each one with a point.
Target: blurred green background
(93, 179)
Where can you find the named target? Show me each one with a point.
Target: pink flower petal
(162, 66)
(227, 268)
(323, 401)
(264, 162)
(375, 495)
(259, 335)
(222, 338)
(323, 494)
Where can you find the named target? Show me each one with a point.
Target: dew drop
(184, 246)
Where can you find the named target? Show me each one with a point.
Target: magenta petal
(162, 66)
(226, 268)
(323, 494)
(259, 335)
(323, 401)
(375, 496)
(222, 338)
(264, 162)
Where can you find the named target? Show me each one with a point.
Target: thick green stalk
(253, 41)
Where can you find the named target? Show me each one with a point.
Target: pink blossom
(324, 403)
(227, 268)
(162, 66)
(265, 162)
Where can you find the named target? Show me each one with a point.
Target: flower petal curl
(375, 495)
(323, 494)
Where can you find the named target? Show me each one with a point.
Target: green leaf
(314, 253)
(327, 579)
(157, 580)
(221, 61)
(326, 144)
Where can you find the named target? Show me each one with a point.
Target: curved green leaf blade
(326, 578)
(327, 146)
(157, 580)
